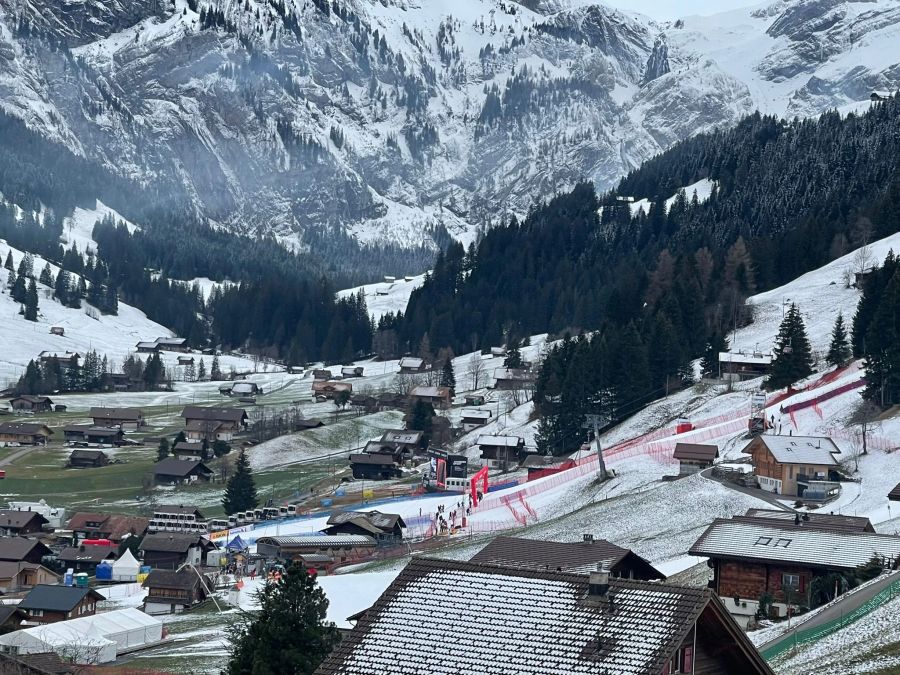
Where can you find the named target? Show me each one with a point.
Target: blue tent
(236, 544)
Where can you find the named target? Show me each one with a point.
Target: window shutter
(688, 665)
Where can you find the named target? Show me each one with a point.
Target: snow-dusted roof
(443, 616)
(102, 626)
(740, 357)
(319, 540)
(804, 544)
(801, 449)
(411, 362)
(500, 441)
(431, 392)
(476, 414)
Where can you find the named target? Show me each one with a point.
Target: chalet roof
(31, 398)
(532, 554)
(384, 522)
(749, 358)
(815, 519)
(318, 540)
(476, 414)
(894, 495)
(95, 554)
(116, 524)
(186, 579)
(25, 428)
(207, 426)
(801, 449)
(7, 612)
(431, 392)
(514, 374)
(309, 424)
(516, 621)
(187, 446)
(500, 441)
(762, 540)
(179, 510)
(371, 458)
(57, 598)
(9, 569)
(401, 437)
(88, 455)
(65, 356)
(172, 466)
(236, 415)
(411, 362)
(132, 414)
(17, 518)
(91, 429)
(171, 542)
(696, 452)
(539, 461)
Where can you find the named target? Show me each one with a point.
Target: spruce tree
(448, 378)
(201, 370)
(11, 277)
(793, 354)
(154, 373)
(47, 275)
(240, 492)
(19, 289)
(289, 633)
(163, 450)
(9, 264)
(513, 357)
(215, 373)
(31, 302)
(839, 350)
(61, 287)
(709, 364)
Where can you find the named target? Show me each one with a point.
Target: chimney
(598, 582)
(796, 519)
(587, 538)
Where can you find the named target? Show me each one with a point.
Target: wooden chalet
(89, 434)
(65, 361)
(338, 547)
(213, 424)
(472, 418)
(385, 528)
(170, 592)
(86, 557)
(83, 458)
(412, 364)
(25, 433)
(744, 365)
(28, 403)
(528, 621)
(185, 360)
(374, 466)
(328, 389)
(18, 576)
(23, 549)
(894, 495)
(693, 457)
(113, 526)
(15, 523)
(352, 371)
(170, 550)
(190, 452)
(57, 330)
(48, 604)
(510, 379)
(127, 419)
(501, 451)
(163, 344)
(321, 374)
(796, 466)
(172, 470)
(439, 397)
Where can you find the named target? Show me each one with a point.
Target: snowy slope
(386, 296)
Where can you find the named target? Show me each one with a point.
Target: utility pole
(593, 422)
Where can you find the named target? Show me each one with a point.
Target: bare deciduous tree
(475, 370)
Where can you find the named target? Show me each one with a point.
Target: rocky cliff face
(391, 119)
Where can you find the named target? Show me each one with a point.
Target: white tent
(126, 568)
(90, 639)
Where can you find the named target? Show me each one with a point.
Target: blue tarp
(236, 544)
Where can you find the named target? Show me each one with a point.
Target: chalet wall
(751, 580)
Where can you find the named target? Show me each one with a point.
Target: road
(9, 459)
(753, 492)
(844, 606)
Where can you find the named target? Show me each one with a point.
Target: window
(790, 581)
(790, 471)
(783, 543)
(36, 612)
(763, 541)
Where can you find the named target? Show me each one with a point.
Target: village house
(85, 558)
(472, 418)
(189, 452)
(163, 344)
(24, 433)
(694, 458)
(510, 379)
(28, 403)
(326, 390)
(352, 371)
(87, 459)
(213, 424)
(23, 549)
(171, 518)
(113, 526)
(796, 466)
(541, 621)
(170, 550)
(894, 495)
(756, 555)
(57, 330)
(374, 466)
(240, 389)
(311, 423)
(581, 557)
(170, 592)
(65, 361)
(412, 364)
(321, 374)
(15, 523)
(744, 366)
(386, 528)
(338, 547)
(364, 402)
(185, 360)
(439, 397)
(474, 400)
(127, 419)
(172, 471)
(87, 433)
(501, 452)
(17, 576)
(48, 604)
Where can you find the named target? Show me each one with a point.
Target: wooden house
(755, 555)
(15, 523)
(48, 604)
(474, 400)
(894, 495)
(127, 419)
(413, 364)
(406, 442)
(86, 557)
(172, 470)
(83, 458)
(213, 424)
(385, 528)
(57, 330)
(23, 549)
(622, 626)
(87, 433)
(112, 526)
(65, 361)
(24, 433)
(693, 457)
(796, 466)
(510, 379)
(163, 344)
(328, 389)
(185, 360)
(170, 550)
(170, 592)
(338, 547)
(472, 418)
(374, 466)
(439, 397)
(191, 452)
(501, 451)
(28, 403)
(321, 374)
(352, 371)
(18, 576)
(744, 365)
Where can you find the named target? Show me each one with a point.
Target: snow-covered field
(386, 296)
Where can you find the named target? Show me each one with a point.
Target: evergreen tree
(342, 398)
(709, 364)
(163, 450)
(9, 264)
(839, 350)
(289, 633)
(11, 279)
(882, 347)
(240, 491)
(215, 373)
(154, 372)
(32, 381)
(61, 287)
(19, 290)
(513, 356)
(793, 354)
(31, 302)
(448, 378)
(47, 275)
(201, 370)
(420, 419)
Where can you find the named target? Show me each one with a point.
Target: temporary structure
(126, 568)
(90, 639)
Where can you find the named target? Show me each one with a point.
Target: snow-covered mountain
(390, 118)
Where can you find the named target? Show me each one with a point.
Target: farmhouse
(404, 442)
(112, 526)
(321, 374)
(170, 550)
(171, 592)
(472, 418)
(21, 549)
(693, 457)
(796, 466)
(24, 433)
(127, 419)
(352, 371)
(16, 576)
(526, 621)
(49, 604)
(328, 389)
(27, 403)
(894, 495)
(87, 433)
(582, 557)
(14, 523)
(85, 558)
(213, 423)
(87, 459)
(374, 466)
(191, 452)
(57, 330)
(752, 555)
(240, 389)
(744, 366)
(63, 360)
(500, 451)
(509, 379)
(438, 397)
(163, 344)
(386, 528)
(172, 470)
(338, 547)
(185, 360)
(412, 364)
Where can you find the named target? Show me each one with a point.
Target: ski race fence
(801, 637)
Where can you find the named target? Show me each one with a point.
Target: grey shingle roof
(94, 554)
(443, 616)
(186, 579)
(821, 520)
(170, 542)
(24, 428)
(16, 548)
(17, 519)
(172, 466)
(116, 414)
(801, 449)
(236, 415)
(696, 452)
(382, 521)
(56, 598)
